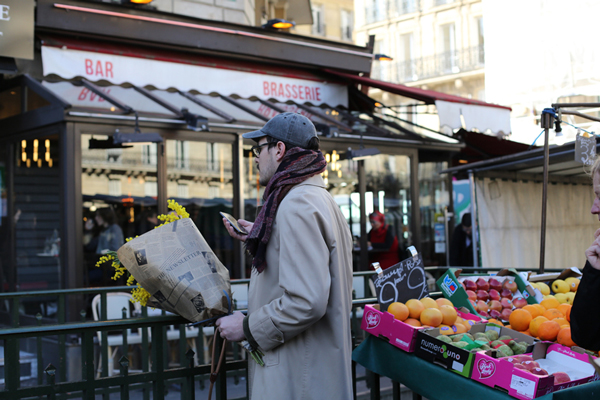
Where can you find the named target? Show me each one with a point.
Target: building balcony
(441, 64)
(381, 10)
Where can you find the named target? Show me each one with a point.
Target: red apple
(523, 358)
(482, 295)
(470, 285)
(495, 284)
(494, 294)
(495, 314)
(482, 306)
(513, 360)
(519, 302)
(473, 303)
(495, 305)
(520, 366)
(484, 314)
(538, 371)
(506, 293)
(472, 295)
(482, 284)
(463, 286)
(505, 313)
(510, 284)
(530, 364)
(561, 377)
(506, 303)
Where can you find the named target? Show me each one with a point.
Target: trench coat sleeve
(304, 273)
(585, 314)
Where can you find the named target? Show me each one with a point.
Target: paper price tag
(585, 149)
(523, 386)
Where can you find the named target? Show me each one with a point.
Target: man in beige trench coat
(300, 291)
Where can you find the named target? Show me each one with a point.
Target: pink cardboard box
(385, 326)
(500, 373)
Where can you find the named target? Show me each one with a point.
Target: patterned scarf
(296, 166)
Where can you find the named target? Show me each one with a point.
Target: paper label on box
(449, 285)
(457, 366)
(373, 319)
(525, 387)
(401, 342)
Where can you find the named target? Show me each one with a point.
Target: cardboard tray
(449, 284)
(572, 272)
(453, 358)
(499, 373)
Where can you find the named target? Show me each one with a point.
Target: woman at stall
(383, 241)
(585, 313)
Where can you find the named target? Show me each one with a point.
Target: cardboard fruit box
(455, 359)
(501, 374)
(396, 332)
(450, 285)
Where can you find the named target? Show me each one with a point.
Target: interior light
(462, 161)
(279, 23)
(50, 163)
(378, 104)
(382, 57)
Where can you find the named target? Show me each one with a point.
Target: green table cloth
(436, 383)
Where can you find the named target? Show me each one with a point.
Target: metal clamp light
(279, 23)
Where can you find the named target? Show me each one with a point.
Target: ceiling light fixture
(279, 23)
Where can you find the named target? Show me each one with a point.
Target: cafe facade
(124, 109)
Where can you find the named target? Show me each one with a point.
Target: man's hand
(247, 225)
(231, 327)
(593, 252)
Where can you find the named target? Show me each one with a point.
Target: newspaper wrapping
(178, 268)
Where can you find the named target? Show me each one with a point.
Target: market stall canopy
(479, 147)
(454, 111)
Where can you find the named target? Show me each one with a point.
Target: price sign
(401, 282)
(585, 149)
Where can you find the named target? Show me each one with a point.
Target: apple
(561, 377)
(506, 303)
(494, 294)
(463, 286)
(482, 295)
(484, 314)
(510, 284)
(470, 285)
(482, 306)
(506, 293)
(473, 303)
(495, 284)
(538, 371)
(520, 366)
(523, 358)
(505, 313)
(482, 284)
(471, 294)
(513, 360)
(519, 302)
(495, 314)
(530, 364)
(495, 305)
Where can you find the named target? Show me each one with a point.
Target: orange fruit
(443, 301)
(568, 315)
(533, 310)
(431, 317)
(562, 322)
(412, 322)
(415, 307)
(508, 326)
(495, 321)
(564, 309)
(459, 320)
(540, 307)
(548, 330)
(446, 330)
(526, 332)
(398, 310)
(564, 337)
(549, 302)
(519, 319)
(553, 313)
(428, 302)
(459, 328)
(449, 315)
(535, 324)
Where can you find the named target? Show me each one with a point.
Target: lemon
(543, 288)
(573, 283)
(560, 286)
(562, 297)
(570, 297)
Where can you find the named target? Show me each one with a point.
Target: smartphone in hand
(234, 224)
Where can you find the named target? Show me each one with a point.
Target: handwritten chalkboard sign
(585, 149)
(401, 282)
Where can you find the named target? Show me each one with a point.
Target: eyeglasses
(257, 149)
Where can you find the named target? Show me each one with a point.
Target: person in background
(148, 221)
(300, 292)
(383, 241)
(111, 234)
(585, 313)
(461, 246)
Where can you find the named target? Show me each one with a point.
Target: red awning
(426, 96)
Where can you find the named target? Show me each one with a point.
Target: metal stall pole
(546, 122)
(474, 222)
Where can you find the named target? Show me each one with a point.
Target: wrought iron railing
(381, 10)
(447, 63)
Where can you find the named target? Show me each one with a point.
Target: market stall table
(434, 382)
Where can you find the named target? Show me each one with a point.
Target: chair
(115, 303)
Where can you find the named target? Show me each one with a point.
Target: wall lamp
(381, 57)
(134, 2)
(278, 23)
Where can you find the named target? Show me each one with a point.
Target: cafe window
(434, 198)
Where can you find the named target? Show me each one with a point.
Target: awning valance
(454, 111)
(70, 59)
